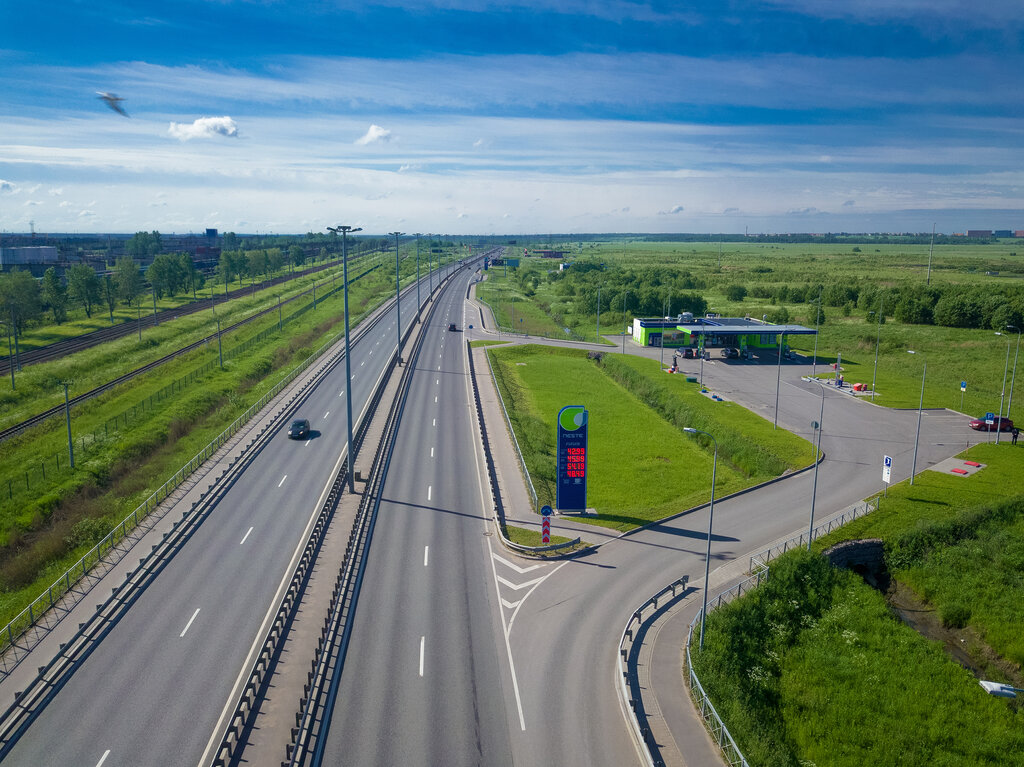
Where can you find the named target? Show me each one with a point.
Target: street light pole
(417, 236)
(817, 460)
(345, 229)
(599, 314)
(67, 417)
(398, 303)
(878, 338)
(1013, 375)
(817, 322)
(778, 381)
(920, 408)
(1002, 395)
(624, 294)
(711, 518)
(220, 350)
(10, 355)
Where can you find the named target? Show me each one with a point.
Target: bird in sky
(113, 101)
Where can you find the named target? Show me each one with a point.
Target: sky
(526, 116)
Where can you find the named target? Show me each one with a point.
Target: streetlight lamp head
(689, 430)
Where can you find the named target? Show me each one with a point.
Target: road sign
(887, 469)
(545, 530)
(990, 418)
(571, 475)
(545, 511)
(963, 386)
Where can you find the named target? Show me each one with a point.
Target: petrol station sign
(571, 487)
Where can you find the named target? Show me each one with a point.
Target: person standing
(1015, 433)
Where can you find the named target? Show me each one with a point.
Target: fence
(36, 474)
(800, 541)
(50, 599)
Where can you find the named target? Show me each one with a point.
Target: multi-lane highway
(460, 652)
(155, 689)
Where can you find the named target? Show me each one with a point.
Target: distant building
(1019, 233)
(211, 232)
(35, 254)
(711, 332)
(979, 232)
(1002, 233)
(549, 253)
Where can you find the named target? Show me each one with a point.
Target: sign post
(545, 525)
(963, 388)
(571, 488)
(886, 474)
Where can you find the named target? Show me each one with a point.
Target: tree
(144, 244)
(19, 296)
(109, 290)
(735, 292)
(296, 255)
(779, 317)
(55, 295)
(191, 277)
(84, 286)
(231, 241)
(275, 259)
(958, 311)
(257, 262)
(165, 275)
(911, 310)
(127, 279)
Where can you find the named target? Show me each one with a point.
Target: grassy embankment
(44, 534)
(813, 667)
(636, 420)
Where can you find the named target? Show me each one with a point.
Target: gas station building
(742, 333)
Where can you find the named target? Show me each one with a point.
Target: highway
(422, 681)
(155, 689)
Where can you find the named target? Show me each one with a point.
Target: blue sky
(468, 117)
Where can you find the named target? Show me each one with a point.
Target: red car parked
(1000, 424)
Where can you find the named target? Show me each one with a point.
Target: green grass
(641, 467)
(527, 537)
(812, 668)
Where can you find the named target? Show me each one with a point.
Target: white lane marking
(514, 566)
(438, 367)
(423, 641)
(307, 442)
(189, 623)
(342, 393)
(435, 399)
(431, 452)
(437, 382)
(510, 605)
(245, 537)
(426, 555)
(103, 758)
(429, 488)
(362, 363)
(435, 422)
(517, 586)
(282, 480)
(327, 414)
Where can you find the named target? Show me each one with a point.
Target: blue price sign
(571, 487)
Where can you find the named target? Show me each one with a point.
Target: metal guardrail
(30, 626)
(629, 685)
(854, 512)
(508, 423)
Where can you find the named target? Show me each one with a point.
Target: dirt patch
(964, 646)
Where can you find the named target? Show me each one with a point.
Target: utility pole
(417, 236)
(220, 352)
(67, 417)
(10, 355)
(931, 247)
(345, 229)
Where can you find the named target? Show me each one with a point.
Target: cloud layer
(204, 127)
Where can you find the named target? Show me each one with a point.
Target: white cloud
(373, 135)
(56, 192)
(672, 211)
(204, 127)
(65, 204)
(478, 143)
(86, 214)
(31, 203)
(6, 187)
(408, 167)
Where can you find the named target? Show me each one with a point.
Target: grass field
(641, 465)
(792, 665)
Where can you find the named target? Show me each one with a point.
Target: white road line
(431, 452)
(307, 442)
(510, 605)
(189, 623)
(514, 566)
(426, 555)
(429, 489)
(282, 480)
(245, 537)
(423, 641)
(103, 758)
(438, 367)
(435, 399)
(342, 393)
(434, 423)
(437, 382)
(327, 414)
(517, 586)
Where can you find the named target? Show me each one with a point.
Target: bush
(955, 615)
(735, 292)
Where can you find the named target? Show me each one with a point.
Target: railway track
(58, 409)
(96, 337)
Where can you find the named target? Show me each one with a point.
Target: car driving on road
(299, 429)
(999, 424)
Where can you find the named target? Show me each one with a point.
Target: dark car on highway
(999, 424)
(299, 429)
(453, 326)
(731, 352)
